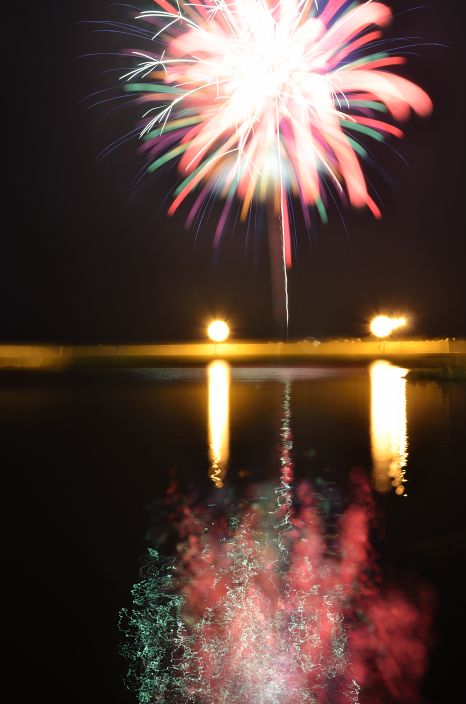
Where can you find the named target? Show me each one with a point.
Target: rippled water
(99, 466)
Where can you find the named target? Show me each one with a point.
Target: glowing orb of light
(218, 331)
(383, 326)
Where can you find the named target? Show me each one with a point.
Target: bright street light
(218, 331)
(383, 325)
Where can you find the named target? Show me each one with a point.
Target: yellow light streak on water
(389, 428)
(219, 420)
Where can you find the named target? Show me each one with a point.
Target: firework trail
(263, 606)
(266, 100)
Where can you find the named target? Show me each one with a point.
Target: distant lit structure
(218, 331)
(389, 427)
(219, 420)
(383, 325)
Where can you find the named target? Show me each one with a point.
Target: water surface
(89, 457)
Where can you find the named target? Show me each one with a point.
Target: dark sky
(84, 259)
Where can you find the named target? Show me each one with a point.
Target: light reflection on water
(110, 441)
(389, 431)
(388, 416)
(219, 378)
(276, 595)
(219, 420)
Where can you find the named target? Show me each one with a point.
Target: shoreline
(437, 353)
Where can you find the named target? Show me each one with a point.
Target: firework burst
(266, 101)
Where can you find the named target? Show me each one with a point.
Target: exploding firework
(266, 101)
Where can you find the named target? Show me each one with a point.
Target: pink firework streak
(265, 100)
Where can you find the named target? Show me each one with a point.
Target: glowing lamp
(218, 331)
(383, 326)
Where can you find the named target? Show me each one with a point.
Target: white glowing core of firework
(248, 79)
(266, 64)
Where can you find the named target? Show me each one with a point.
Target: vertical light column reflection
(284, 491)
(389, 432)
(219, 420)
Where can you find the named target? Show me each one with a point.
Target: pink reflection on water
(284, 601)
(279, 611)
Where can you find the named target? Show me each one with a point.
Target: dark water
(87, 458)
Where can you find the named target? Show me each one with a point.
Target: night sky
(86, 259)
